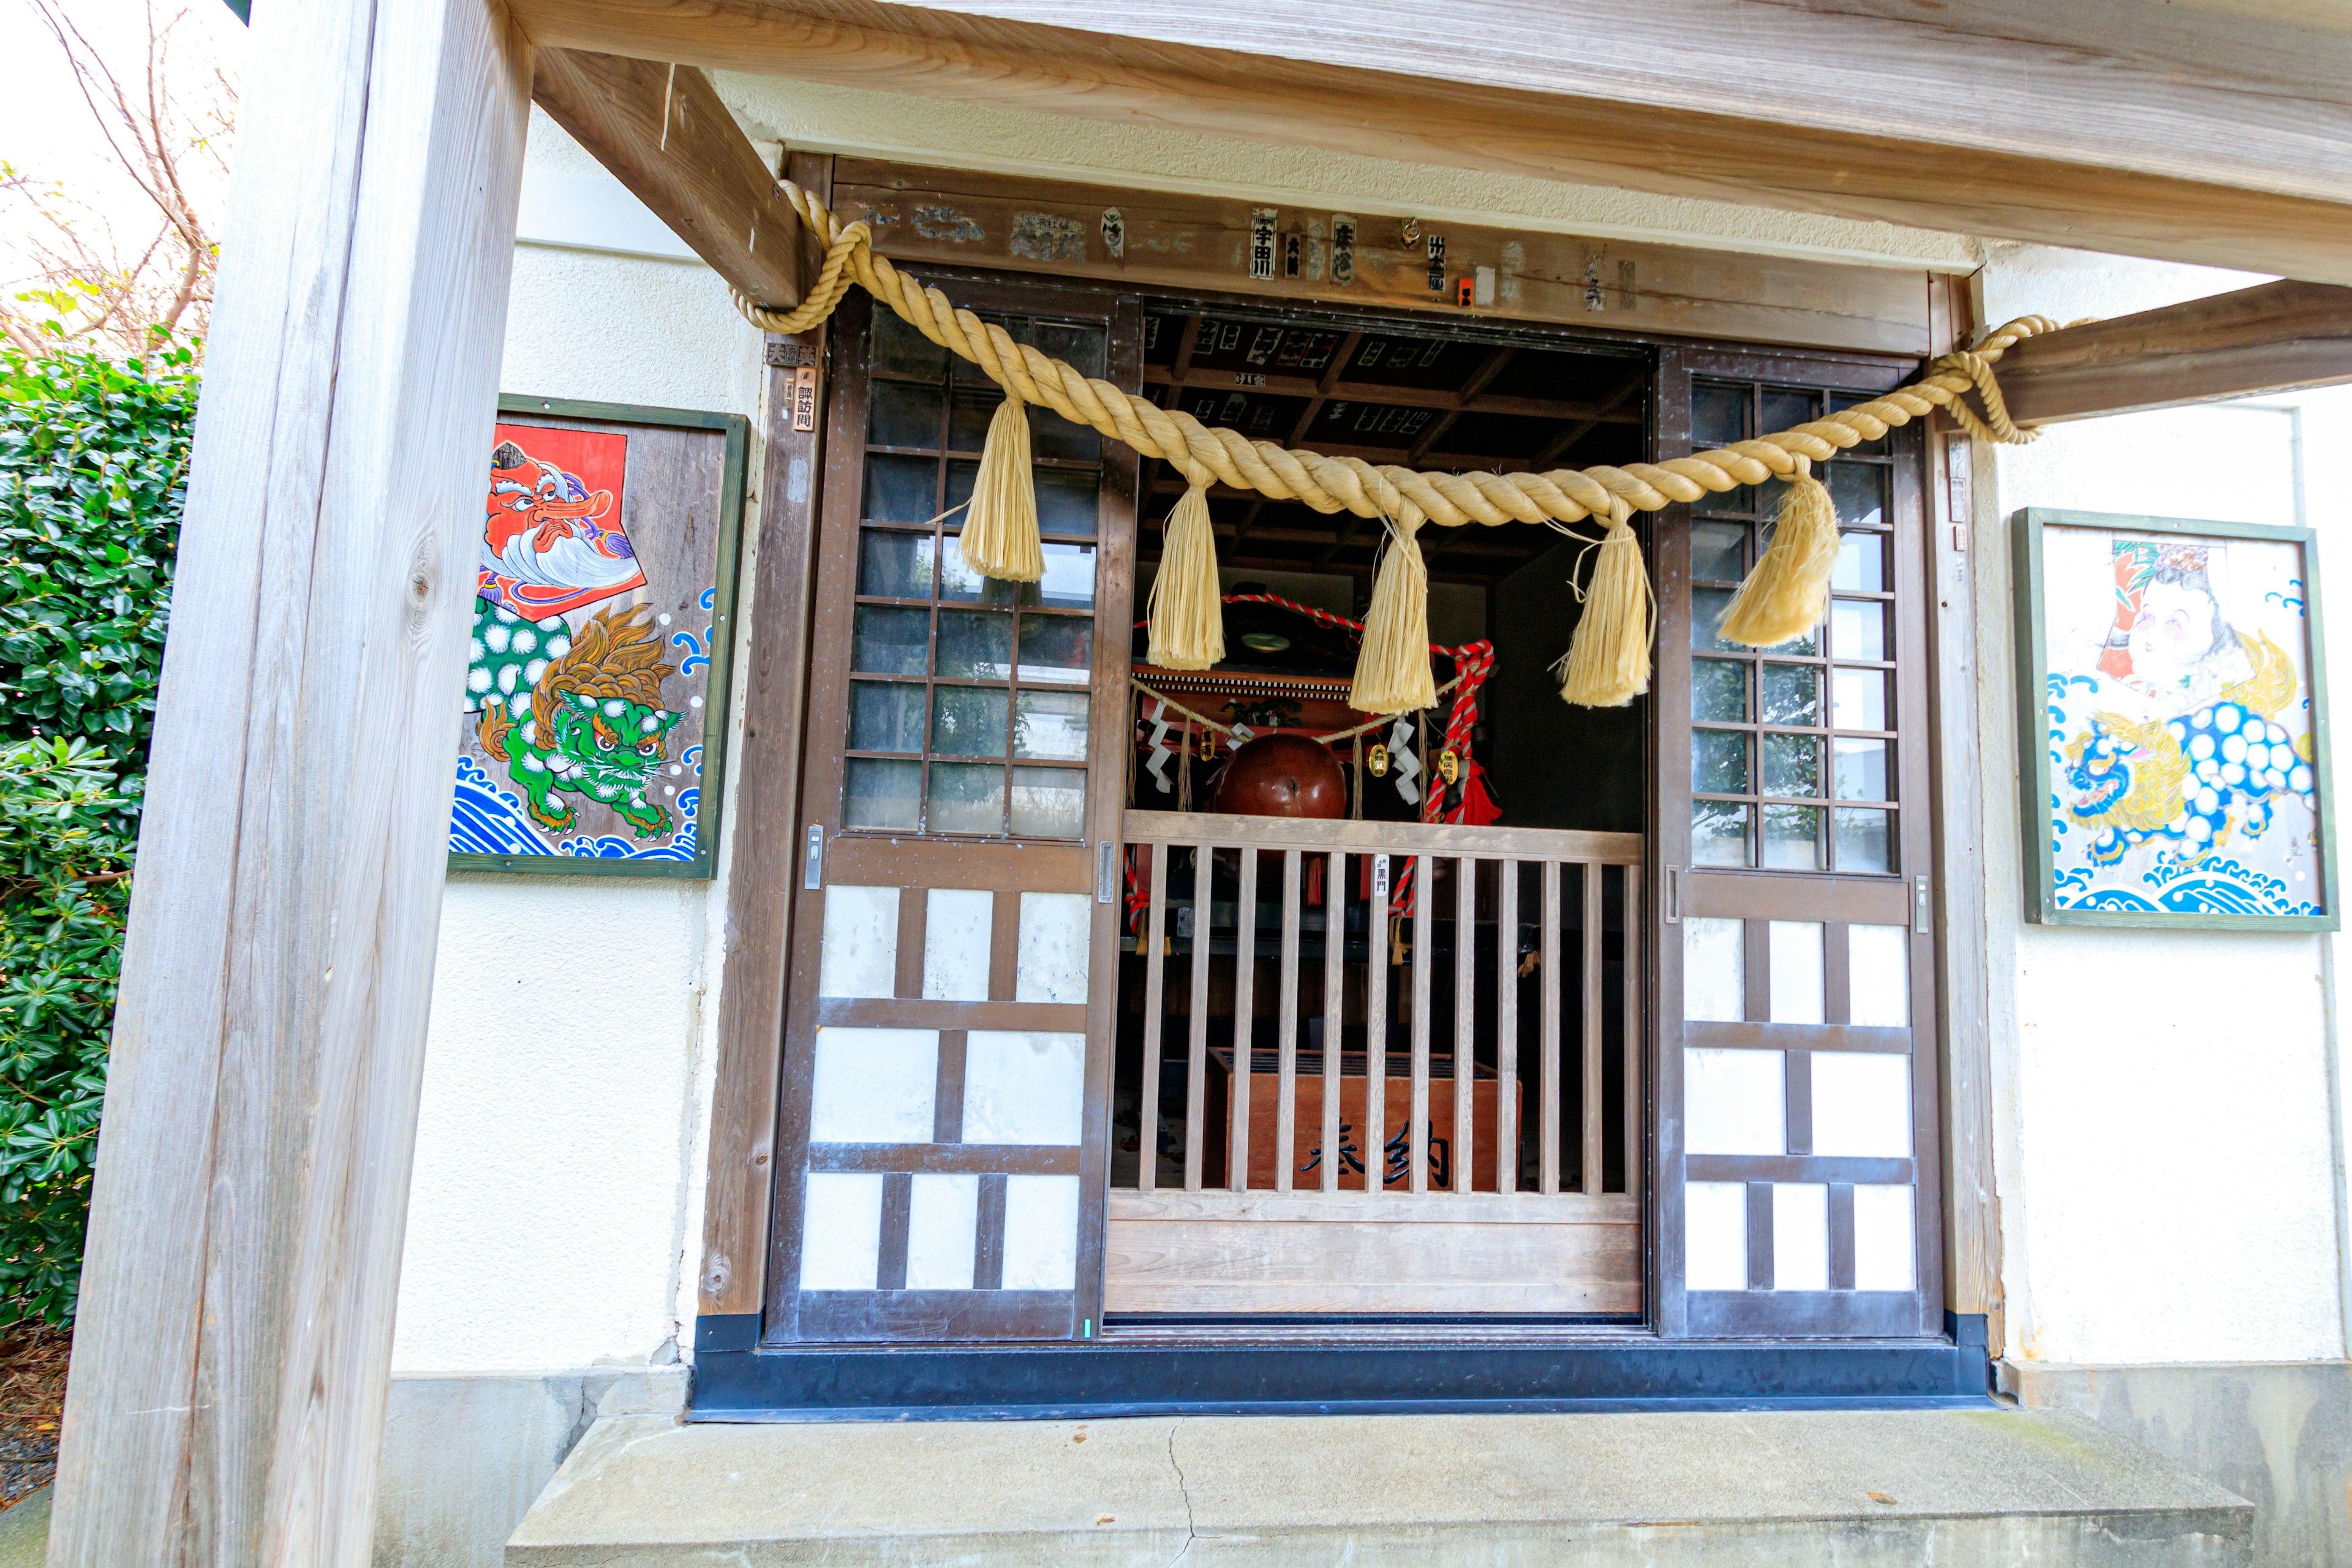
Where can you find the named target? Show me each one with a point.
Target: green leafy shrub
(94, 471)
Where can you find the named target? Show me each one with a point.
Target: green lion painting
(595, 726)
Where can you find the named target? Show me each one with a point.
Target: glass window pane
(894, 565)
(960, 482)
(965, 797)
(1053, 436)
(1049, 802)
(1857, 628)
(1741, 499)
(975, 646)
(1081, 347)
(902, 413)
(969, 409)
(1069, 581)
(1058, 650)
(891, 642)
(1718, 833)
(1719, 416)
(1862, 770)
(1707, 605)
(1785, 409)
(1792, 694)
(1051, 725)
(1862, 841)
(881, 793)
(884, 718)
(902, 490)
(901, 350)
(1067, 502)
(968, 722)
(1859, 492)
(1861, 564)
(1792, 765)
(961, 585)
(1792, 838)
(1719, 551)
(1719, 690)
(1858, 699)
(1720, 761)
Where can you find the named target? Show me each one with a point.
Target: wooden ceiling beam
(661, 131)
(2279, 337)
(2161, 131)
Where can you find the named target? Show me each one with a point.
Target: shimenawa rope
(1613, 637)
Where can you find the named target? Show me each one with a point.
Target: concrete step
(1959, 1489)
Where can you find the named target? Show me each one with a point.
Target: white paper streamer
(1403, 763)
(1158, 764)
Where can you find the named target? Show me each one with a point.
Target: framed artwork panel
(594, 740)
(2172, 724)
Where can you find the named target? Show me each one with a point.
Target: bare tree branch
(81, 285)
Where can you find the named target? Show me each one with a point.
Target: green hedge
(93, 471)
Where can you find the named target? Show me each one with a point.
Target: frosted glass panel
(1052, 966)
(841, 1232)
(1715, 977)
(942, 1228)
(1733, 1102)
(1041, 1233)
(1880, 966)
(1715, 1230)
(1862, 1105)
(1022, 1087)
(860, 956)
(1882, 1239)
(874, 1085)
(1800, 1236)
(1796, 972)
(957, 923)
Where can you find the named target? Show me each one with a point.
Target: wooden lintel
(661, 131)
(2174, 133)
(2279, 337)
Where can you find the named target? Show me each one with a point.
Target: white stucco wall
(2166, 1165)
(560, 1146)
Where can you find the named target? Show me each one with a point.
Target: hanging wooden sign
(593, 737)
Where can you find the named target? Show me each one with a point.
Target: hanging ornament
(1157, 766)
(1449, 766)
(1208, 744)
(1408, 766)
(1375, 761)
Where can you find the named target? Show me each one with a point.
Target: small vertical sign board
(594, 728)
(1261, 249)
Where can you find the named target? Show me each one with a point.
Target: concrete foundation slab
(1858, 1489)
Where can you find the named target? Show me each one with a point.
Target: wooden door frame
(1919, 821)
(732, 1280)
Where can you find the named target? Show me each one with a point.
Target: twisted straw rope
(1204, 454)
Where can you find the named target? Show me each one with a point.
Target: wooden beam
(233, 1344)
(766, 853)
(2279, 337)
(661, 132)
(1188, 242)
(2112, 125)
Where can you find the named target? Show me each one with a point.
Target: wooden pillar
(229, 1368)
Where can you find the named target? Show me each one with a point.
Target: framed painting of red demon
(593, 738)
(2172, 724)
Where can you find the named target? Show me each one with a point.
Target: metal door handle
(812, 868)
(1107, 871)
(1671, 911)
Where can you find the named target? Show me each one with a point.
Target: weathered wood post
(229, 1367)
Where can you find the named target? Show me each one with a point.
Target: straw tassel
(1188, 626)
(1608, 662)
(1788, 594)
(1392, 673)
(1000, 527)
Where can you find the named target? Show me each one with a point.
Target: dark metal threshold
(736, 1380)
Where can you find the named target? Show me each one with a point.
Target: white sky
(47, 132)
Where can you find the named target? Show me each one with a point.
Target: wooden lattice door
(940, 1148)
(1796, 1189)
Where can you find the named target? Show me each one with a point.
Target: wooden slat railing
(1326, 868)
